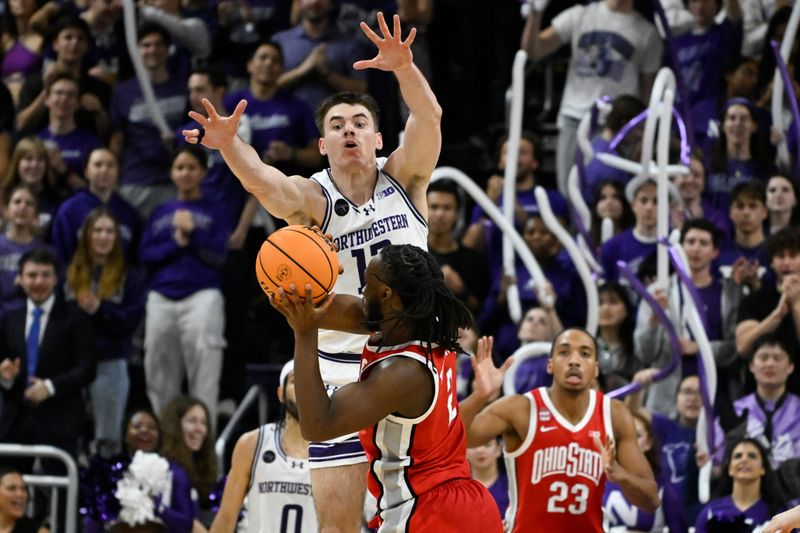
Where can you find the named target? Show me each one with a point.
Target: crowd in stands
(128, 304)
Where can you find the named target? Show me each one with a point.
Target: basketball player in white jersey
(365, 203)
(270, 475)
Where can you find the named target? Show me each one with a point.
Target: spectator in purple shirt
(483, 235)
(20, 236)
(624, 108)
(102, 173)
(68, 144)
(30, 166)
(615, 322)
(734, 156)
(183, 247)
(691, 187)
(783, 203)
(564, 293)
(775, 306)
(71, 37)
(702, 54)
(487, 468)
(742, 258)
(282, 126)
(609, 202)
(622, 514)
(771, 414)
(100, 507)
(719, 305)
(318, 58)
(747, 493)
(144, 156)
(634, 244)
(113, 295)
(676, 440)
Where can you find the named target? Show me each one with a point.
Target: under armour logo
(298, 464)
(368, 209)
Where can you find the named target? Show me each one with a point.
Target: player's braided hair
(433, 311)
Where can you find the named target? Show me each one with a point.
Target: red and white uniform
(556, 478)
(418, 467)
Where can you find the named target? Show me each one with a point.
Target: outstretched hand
(608, 451)
(301, 313)
(783, 522)
(488, 378)
(393, 52)
(217, 130)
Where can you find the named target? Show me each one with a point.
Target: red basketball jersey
(411, 456)
(556, 479)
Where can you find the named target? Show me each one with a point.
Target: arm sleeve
(179, 516)
(79, 346)
(566, 23)
(157, 245)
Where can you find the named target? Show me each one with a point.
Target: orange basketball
(300, 255)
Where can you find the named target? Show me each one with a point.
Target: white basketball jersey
(279, 499)
(360, 232)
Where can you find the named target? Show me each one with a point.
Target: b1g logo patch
(269, 456)
(340, 207)
(544, 415)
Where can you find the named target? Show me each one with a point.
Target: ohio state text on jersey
(556, 478)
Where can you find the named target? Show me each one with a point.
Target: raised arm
(536, 42)
(415, 159)
(294, 199)
(481, 427)
(625, 463)
(237, 484)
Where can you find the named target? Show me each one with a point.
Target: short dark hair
(149, 28)
(347, 98)
(574, 328)
(701, 224)
(752, 188)
(195, 151)
(786, 240)
(278, 48)
(446, 186)
(70, 22)
(526, 134)
(771, 339)
(216, 77)
(61, 76)
(39, 256)
(624, 108)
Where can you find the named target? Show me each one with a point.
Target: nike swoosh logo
(546, 429)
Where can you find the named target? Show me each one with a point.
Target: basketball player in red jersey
(562, 443)
(404, 405)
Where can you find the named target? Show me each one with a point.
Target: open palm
(393, 52)
(488, 379)
(219, 130)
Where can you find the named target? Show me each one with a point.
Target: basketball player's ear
(379, 141)
(280, 395)
(321, 145)
(549, 368)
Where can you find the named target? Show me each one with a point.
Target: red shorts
(459, 506)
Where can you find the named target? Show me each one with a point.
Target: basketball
(300, 255)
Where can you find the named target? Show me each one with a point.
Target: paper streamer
(789, 88)
(589, 284)
(141, 72)
(672, 335)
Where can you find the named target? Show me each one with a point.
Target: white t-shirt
(610, 50)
